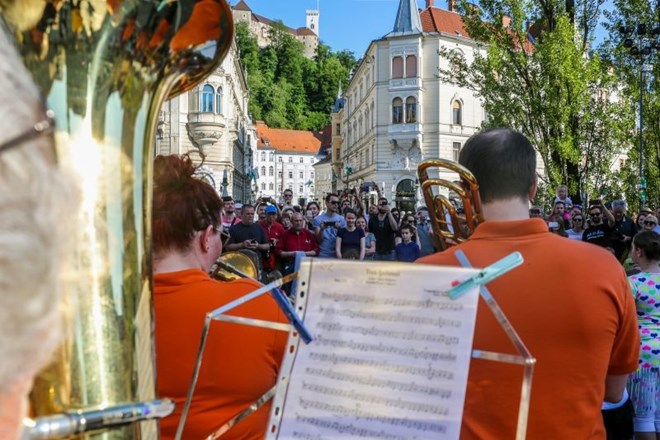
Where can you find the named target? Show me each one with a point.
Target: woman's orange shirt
(240, 363)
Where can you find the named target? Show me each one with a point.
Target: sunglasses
(650, 223)
(595, 215)
(577, 219)
(334, 202)
(383, 203)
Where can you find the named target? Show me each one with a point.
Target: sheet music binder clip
(487, 274)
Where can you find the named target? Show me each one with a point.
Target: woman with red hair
(241, 362)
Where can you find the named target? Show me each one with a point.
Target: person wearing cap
(274, 230)
(229, 217)
(624, 229)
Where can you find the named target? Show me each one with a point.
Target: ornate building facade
(395, 110)
(213, 118)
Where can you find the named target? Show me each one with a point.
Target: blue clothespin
(486, 275)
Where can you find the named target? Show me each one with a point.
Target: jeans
(384, 257)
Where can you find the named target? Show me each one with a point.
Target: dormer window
(206, 103)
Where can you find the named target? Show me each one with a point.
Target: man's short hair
(503, 161)
(406, 227)
(619, 204)
(329, 195)
(227, 199)
(559, 202)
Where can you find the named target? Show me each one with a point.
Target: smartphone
(553, 225)
(253, 241)
(309, 213)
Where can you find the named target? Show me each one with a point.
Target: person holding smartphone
(247, 234)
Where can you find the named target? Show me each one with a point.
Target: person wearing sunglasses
(241, 363)
(326, 226)
(600, 232)
(650, 222)
(37, 228)
(575, 233)
(384, 226)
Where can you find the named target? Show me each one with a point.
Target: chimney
(451, 5)
(429, 4)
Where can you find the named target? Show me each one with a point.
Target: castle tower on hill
(260, 26)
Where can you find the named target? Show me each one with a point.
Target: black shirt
(600, 235)
(240, 232)
(383, 232)
(622, 227)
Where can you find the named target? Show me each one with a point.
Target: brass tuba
(105, 67)
(449, 226)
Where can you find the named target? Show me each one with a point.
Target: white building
(285, 159)
(213, 118)
(396, 112)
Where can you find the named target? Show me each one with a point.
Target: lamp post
(641, 41)
(225, 183)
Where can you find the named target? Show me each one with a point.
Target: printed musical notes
(390, 354)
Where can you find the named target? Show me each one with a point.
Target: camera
(554, 226)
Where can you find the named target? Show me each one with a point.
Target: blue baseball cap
(270, 209)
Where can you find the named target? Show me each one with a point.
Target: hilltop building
(260, 26)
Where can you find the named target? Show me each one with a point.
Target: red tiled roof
(441, 20)
(305, 31)
(288, 141)
(242, 6)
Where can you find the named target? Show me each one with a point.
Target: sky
(344, 24)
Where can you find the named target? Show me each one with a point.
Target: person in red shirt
(274, 230)
(582, 330)
(241, 362)
(297, 239)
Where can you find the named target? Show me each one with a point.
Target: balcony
(205, 128)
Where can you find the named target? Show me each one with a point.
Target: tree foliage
(287, 89)
(628, 68)
(535, 74)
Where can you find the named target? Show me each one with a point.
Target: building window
(279, 174)
(263, 156)
(263, 171)
(218, 100)
(311, 174)
(456, 150)
(302, 159)
(411, 110)
(457, 113)
(397, 67)
(270, 186)
(263, 186)
(279, 158)
(301, 174)
(337, 129)
(300, 189)
(207, 99)
(411, 66)
(290, 174)
(270, 171)
(397, 111)
(272, 156)
(290, 159)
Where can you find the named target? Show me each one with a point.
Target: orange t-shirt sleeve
(625, 351)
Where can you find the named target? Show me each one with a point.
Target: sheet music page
(390, 354)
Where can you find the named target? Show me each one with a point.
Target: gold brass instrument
(105, 67)
(234, 265)
(459, 226)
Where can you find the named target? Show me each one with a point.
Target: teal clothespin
(487, 274)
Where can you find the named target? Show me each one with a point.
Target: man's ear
(534, 188)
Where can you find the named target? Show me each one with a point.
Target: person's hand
(337, 225)
(250, 244)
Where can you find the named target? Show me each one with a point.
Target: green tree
(628, 68)
(541, 80)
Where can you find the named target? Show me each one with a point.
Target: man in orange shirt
(583, 333)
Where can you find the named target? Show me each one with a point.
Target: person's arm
(397, 239)
(359, 207)
(419, 243)
(362, 248)
(372, 248)
(614, 386)
(315, 248)
(338, 246)
(392, 220)
(608, 214)
(247, 244)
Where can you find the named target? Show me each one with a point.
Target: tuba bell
(450, 226)
(105, 67)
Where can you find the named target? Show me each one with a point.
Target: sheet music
(390, 354)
